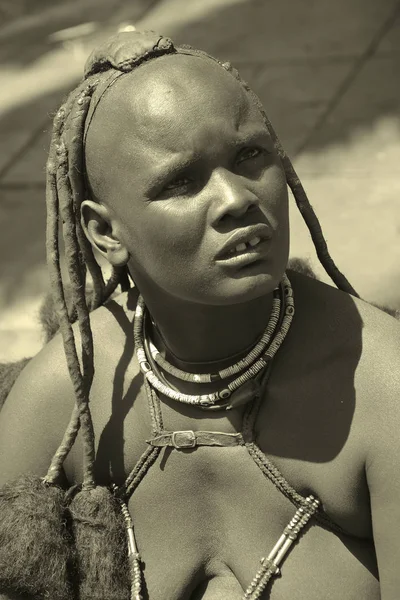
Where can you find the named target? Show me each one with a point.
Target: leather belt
(191, 439)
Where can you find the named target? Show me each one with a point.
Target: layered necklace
(249, 370)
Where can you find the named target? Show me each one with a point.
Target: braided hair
(67, 188)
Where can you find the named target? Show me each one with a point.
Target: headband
(118, 56)
(126, 51)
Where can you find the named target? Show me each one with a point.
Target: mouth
(245, 253)
(245, 245)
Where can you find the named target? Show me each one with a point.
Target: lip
(246, 258)
(243, 236)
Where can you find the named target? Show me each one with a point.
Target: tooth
(254, 241)
(240, 247)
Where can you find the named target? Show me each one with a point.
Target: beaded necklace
(252, 365)
(152, 327)
(237, 367)
(243, 395)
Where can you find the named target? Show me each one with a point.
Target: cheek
(275, 196)
(166, 236)
(177, 226)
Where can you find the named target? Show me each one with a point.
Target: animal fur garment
(35, 548)
(101, 546)
(301, 265)
(48, 318)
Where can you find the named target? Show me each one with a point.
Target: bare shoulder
(334, 306)
(380, 369)
(35, 414)
(39, 406)
(380, 358)
(346, 323)
(110, 325)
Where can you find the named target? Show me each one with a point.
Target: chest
(204, 517)
(309, 427)
(210, 514)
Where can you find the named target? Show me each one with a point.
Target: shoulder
(321, 301)
(359, 346)
(35, 415)
(41, 401)
(380, 370)
(360, 324)
(326, 318)
(111, 325)
(348, 326)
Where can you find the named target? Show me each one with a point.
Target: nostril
(232, 201)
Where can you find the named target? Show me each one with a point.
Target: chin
(245, 288)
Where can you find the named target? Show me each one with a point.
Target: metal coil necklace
(250, 366)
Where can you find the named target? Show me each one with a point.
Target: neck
(199, 334)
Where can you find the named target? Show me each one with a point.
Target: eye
(177, 184)
(249, 153)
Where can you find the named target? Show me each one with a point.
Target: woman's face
(183, 159)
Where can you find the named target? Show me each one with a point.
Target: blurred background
(328, 74)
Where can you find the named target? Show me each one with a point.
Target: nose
(231, 196)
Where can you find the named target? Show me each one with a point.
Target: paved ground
(327, 72)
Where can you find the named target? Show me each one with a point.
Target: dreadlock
(94, 510)
(66, 188)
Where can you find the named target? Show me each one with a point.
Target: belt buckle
(187, 439)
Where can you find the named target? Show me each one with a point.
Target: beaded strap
(270, 566)
(151, 453)
(124, 492)
(273, 473)
(133, 553)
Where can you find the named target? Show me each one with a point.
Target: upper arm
(35, 416)
(383, 461)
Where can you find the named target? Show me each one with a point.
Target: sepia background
(327, 72)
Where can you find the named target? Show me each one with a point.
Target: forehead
(174, 104)
(175, 91)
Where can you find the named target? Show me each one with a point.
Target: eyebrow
(253, 136)
(176, 166)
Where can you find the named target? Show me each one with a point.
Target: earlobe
(101, 229)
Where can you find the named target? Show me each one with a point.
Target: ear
(101, 229)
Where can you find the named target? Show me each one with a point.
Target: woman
(163, 161)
